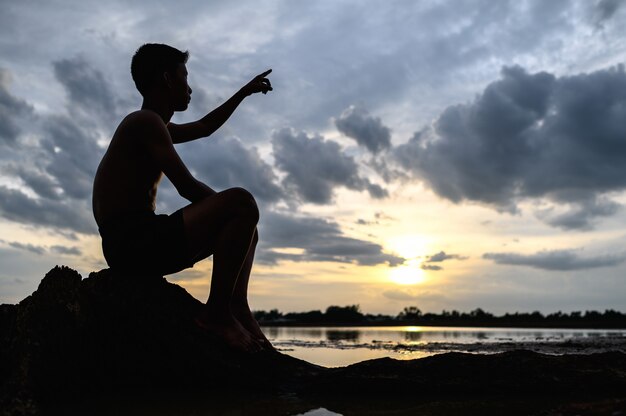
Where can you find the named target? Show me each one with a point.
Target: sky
(438, 154)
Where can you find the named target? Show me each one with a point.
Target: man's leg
(226, 222)
(239, 304)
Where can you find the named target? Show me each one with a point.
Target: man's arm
(208, 124)
(158, 142)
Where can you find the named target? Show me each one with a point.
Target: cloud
(225, 163)
(315, 166)
(73, 215)
(58, 159)
(439, 258)
(86, 87)
(580, 216)
(604, 10)
(317, 239)
(442, 256)
(433, 267)
(12, 110)
(413, 295)
(70, 251)
(529, 136)
(396, 294)
(39, 250)
(555, 260)
(368, 131)
(73, 155)
(40, 182)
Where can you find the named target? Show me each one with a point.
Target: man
(222, 224)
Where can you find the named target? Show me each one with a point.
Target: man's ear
(167, 79)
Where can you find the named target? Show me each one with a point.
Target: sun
(411, 247)
(408, 274)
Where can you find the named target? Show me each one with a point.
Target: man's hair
(151, 60)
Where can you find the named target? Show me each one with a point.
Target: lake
(341, 346)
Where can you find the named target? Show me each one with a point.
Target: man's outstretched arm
(208, 124)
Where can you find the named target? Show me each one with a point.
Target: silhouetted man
(222, 224)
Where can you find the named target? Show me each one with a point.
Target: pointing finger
(264, 74)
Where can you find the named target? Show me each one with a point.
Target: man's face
(180, 90)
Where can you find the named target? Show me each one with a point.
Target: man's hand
(181, 133)
(258, 84)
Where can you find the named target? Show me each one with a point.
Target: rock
(113, 336)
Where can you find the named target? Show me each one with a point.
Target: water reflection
(413, 336)
(339, 346)
(343, 335)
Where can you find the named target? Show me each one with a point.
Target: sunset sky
(442, 154)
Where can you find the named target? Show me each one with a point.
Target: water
(341, 346)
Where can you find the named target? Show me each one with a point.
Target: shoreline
(429, 324)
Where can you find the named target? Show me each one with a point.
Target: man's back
(127, 177)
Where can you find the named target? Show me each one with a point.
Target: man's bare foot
(226, 327)
(243, 314)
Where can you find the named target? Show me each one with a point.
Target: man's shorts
(147, 243)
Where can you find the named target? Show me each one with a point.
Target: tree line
(412, 315)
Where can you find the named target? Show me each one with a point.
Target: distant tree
(410, 313)
(478, 313)
(351, 313)
(270, 316)
(309, 317)
(575, 315)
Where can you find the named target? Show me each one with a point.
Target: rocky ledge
(115, 338)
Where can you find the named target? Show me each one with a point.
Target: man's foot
(228, 329)
(243, 314)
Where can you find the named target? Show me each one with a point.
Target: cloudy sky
(443, 154)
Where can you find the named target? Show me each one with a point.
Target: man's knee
(244, 204)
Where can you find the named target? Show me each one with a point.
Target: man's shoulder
(142, 117)
(143, 124)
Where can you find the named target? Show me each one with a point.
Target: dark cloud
(72, 215)
(315, 166)
(40, 182)
(319, 240)
(69, 251)
(580, 216)
(39, 250)
(86, 87)
(439, 258)
(433, 267)
(368, 131)
(12, 110)
(555, 260)
(529, 136)
(442, 256)
(225, 163)
(59, 161)
(73, 155)
(604, 11)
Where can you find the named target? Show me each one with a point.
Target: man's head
(156, 66)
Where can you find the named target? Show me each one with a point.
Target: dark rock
(117, 336)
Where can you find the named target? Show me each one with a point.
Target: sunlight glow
(409, 246)
(410, 274)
